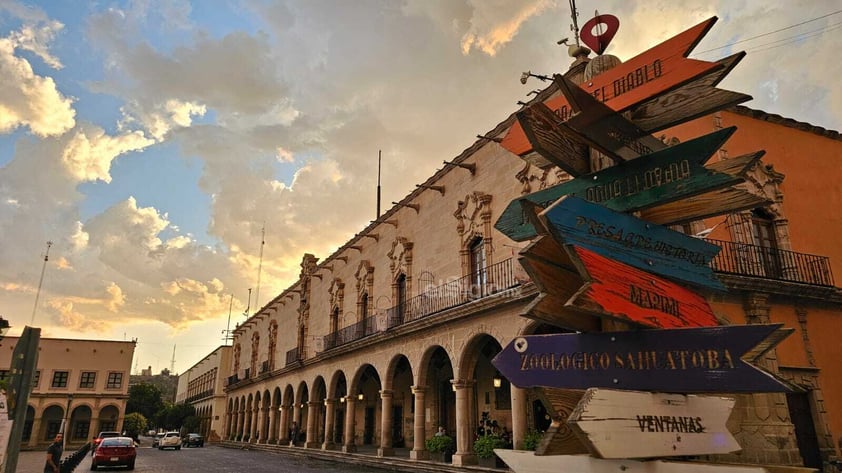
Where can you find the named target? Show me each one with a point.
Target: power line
(771, 32)
(821, 32)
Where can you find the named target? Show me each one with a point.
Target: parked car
(103, 435)
(170, 440)
(193, 440)
(115, 451)
(157, 440)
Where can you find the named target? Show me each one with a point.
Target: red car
(103, 435)
(115, 451)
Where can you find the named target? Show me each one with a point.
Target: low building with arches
(392, 335)
(83, 384)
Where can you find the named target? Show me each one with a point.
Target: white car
(170, 440)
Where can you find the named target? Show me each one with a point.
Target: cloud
(494, 24)
(90, 151)
(160, 119)
(27, 99)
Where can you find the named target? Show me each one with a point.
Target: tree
(173, 416)
(134, 424)
(145, 399)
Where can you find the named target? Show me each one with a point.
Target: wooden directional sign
(648, 75)
(633, 424)
(543, 130)
(675, 173)
(613, 289)
(709, 204)
(524, 461)
(632, 241)
(697, 98)
(683, 360)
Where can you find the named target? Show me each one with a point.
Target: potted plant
(532, 439)
(440, 447)
(484, 449)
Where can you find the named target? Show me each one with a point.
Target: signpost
(24, 362)
(685, 360)
(633, 424)
(613, 289)
(673, 174)
(632, 241)
(647, 75)
(542, 129)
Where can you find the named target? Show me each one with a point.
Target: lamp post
(65, 422)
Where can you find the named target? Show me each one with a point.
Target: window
(763, 232)
(60, 379)
(401, 297)
(88, 379)
(52, 429)
(37, 379)
(115, 381)
(81, 429)
(478, 273)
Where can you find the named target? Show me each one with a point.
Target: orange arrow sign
(653, 72)
(614, 289)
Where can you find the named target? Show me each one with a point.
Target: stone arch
(366, 386)
(79, 428)
(493, 409)
(109, 418)
(51, 418)
(434, 376)
(264, 416)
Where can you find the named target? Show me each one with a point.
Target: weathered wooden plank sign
(632, 241)
(647, 75)
(596, 125)
(672, 174)
(633, 424)
(695, 99)
(709, 204)
(524, 461)
(542, 129)
(613, 289)
(683, 360)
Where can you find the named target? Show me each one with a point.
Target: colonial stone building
(202, 386)
(392, 335)
(84, 383)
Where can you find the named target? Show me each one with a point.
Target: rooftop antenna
(248, 305)
(40, 282)
(260, 265)
(172, 362)
(227, 332)
(379, 156)
(574, 14)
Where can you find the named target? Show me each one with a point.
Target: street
(209, 459)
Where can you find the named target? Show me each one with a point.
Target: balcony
(264, 366)
(771, 263)
(492, 280)
(233, 379)
(293, 356)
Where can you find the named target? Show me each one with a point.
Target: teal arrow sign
(665, 176)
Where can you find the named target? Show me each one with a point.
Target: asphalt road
(209, 459)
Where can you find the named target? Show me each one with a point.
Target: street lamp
(65, 421)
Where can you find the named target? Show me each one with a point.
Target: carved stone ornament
(400, 256)
(473, 215)
(336, 292)
(534, 179)
(365, 277)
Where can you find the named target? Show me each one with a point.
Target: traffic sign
(632, 241)
(634, 424)
(679, 360)
(613, 289)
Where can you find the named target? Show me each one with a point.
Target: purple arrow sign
(684, 360)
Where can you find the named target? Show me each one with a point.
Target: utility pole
(40, 282)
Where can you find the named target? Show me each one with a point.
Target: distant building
(203, 386)
(164, 381)
(87, 378)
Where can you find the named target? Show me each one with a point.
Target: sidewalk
(367, 455)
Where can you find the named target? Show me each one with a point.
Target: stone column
(419, 449)
(386, 449)
(348, 442)
(36, 428)
(283, 434)
(255, 424)
(330, 414)
(262, 418)
(519, 428)
(312, 432)
(464, 446)
(272, 437)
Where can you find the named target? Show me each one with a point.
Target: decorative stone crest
(534, 179)
(336, 293)
(400, 257)
(473, 215)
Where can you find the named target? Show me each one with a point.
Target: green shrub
(532, 439)
(485, 445)
(439, 444)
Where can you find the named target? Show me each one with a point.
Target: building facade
(82, 383)
(203, 387)
(392, 335)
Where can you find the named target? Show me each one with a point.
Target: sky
(155, 142)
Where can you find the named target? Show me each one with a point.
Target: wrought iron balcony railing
(493, 279)
(772, 263)
(292, 356)
(264, 366)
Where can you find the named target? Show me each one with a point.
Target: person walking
(54, 452)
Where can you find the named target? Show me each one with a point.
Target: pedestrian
(441, 432)
(54, 452)
(294, 434)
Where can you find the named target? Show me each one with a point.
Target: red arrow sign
(614, 289)
(641, 78)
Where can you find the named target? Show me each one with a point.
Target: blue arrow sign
(632, 241)
(683, 360)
